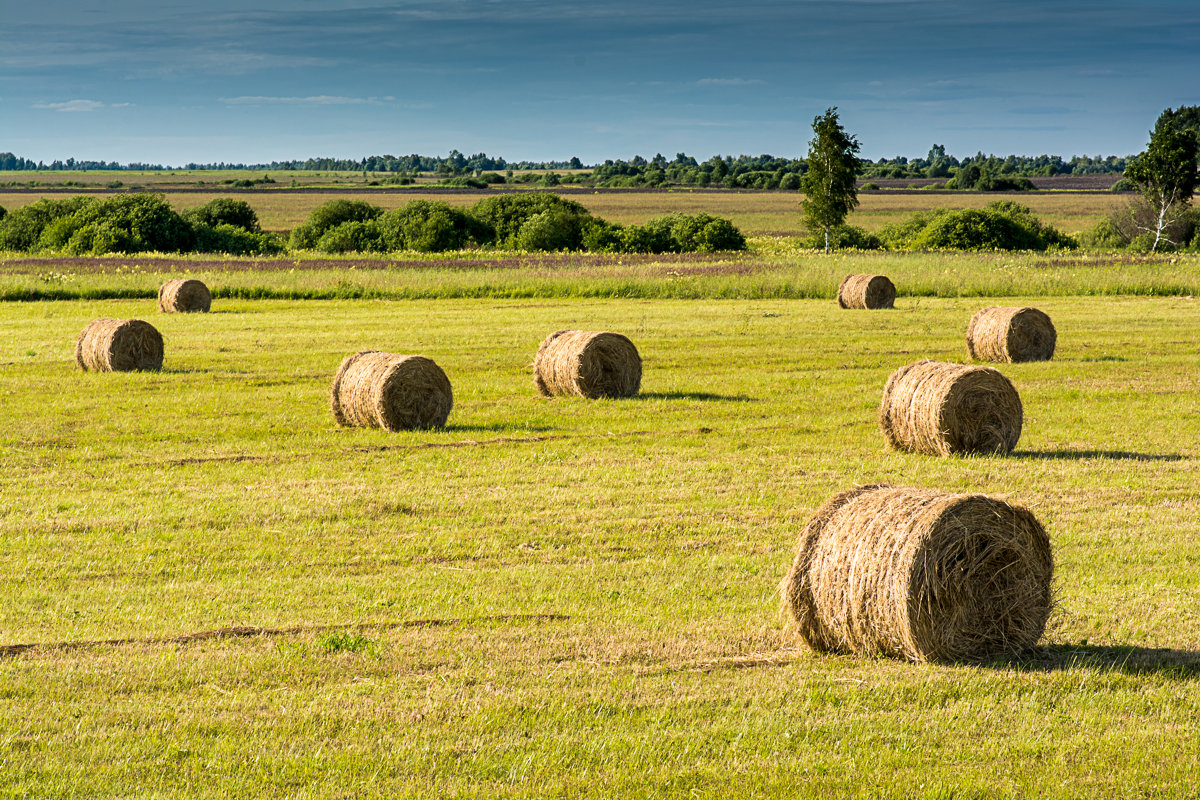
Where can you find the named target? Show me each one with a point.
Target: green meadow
(212, 590)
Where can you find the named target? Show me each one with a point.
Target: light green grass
(563, 597)
(775, 268)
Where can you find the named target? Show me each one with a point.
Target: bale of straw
(866, 291)
(920, 574)
(184, 294)
(119, 345)
(1009, 334)
(390, 391)
(587, 363)
(944, 409)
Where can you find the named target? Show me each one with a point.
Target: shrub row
(531, 221)
(521, 221)
(135, 223)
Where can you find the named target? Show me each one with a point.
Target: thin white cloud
(74, 105)
(314, 100)
(728, 82)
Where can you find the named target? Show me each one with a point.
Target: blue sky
(259, 80)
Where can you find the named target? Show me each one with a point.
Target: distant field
(754, 212)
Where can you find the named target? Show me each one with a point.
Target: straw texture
(866, 291)
(588, 363)
(946, 409)
(184, 294)
(920, 574)
(119, 345)
(1008, 334)
(373, 389)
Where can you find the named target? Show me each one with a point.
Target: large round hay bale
(866, 291)
(394, 392)
(945, 409)
(920, 574)
(588, 363)
(119, 345)
(1008, 334)
(184, 294)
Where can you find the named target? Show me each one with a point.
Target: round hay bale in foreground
(184, 294)
(920, 574)
(866, 291)
(945, 409)
(373, 389)
(588, 363)
(119, 345)
(1002, 333)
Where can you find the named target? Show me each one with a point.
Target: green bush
(327, 216)
(130, 223)
(236, 241)
(430, 227)
(505, 214)
(21, 229)
(3, 212)
(492, 177)
(653, 237)
(356, 236)
(843, 237)
(224, 211)
(599, 236)
(869, 186)
(703, 233)
(1002, 225)
(551, 230)
(464, 182)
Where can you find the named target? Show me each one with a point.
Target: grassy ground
(563, 597)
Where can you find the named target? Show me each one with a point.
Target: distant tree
(829, 185)
(1165, 175)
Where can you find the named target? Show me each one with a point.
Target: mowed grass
(754, 212)
(568, 597)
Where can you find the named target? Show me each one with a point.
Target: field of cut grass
(211, 590)
(754, 212)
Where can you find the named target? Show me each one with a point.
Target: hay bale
(944, 409)
(119, 345)
(1009, 334)
(866, 291)
(920, 574)
(588, 363)
(394, 392)
(184, 294)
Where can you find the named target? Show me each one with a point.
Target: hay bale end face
(950, 409)
(587, 363)
(920, 574)
(184, 294)
(390, 391)
(1007, 334)
(866, 291)
(119, 345)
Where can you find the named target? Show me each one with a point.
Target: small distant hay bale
(373, 389)
(920, 574)
(119, 345)
(945, 409)
(866, 291)
(184, 294)
(587, 363)
(1008, 334)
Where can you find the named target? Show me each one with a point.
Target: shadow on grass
(1080, 455)
(496, 427)
(706, 396)
(1178, 664)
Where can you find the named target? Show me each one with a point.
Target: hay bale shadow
(1081, 455)
(702, 396)
(1179, 664)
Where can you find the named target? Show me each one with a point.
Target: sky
(254, 81)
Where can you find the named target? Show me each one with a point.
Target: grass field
(564, 597)
(754, 212)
